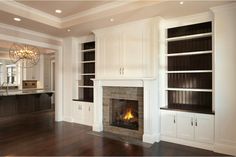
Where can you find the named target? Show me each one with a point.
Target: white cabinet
(110, 59)
(185, 127)
(125, 51)
(188, 126)
(204, 128)
(88, 114)
(168, 121)
(77, 112)
(83, 113)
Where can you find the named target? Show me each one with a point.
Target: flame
(128, 115)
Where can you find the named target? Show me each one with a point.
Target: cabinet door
(78, 112)
(185, 125)
(133, 52)
(109, 49)
(168, 123)
(204, 128)
(88, 114)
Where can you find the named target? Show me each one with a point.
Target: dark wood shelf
(191, 62)
(81, 100)
(88, 45)
(188, 41)
(190, 80)
(199, 28)
(88, 67)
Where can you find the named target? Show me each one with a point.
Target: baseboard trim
(225, 149)
(188, 143)
(68, 119)
(151, 138)
(97, 128)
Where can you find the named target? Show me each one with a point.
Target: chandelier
(25, 56)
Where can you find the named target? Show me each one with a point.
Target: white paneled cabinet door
(78, 112)
(204, 128)
(133, 52)
(168, 123)
(110, 48)
(185, 126)
(88, 114)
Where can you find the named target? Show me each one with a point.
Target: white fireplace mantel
(151, 111)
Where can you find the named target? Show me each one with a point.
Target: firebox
(124, 113)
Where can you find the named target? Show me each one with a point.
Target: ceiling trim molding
(27, 41)
(189, 19)
(129, 6)
(223, 7)
(24, 11)
(98, 9)
(19, 9)
(23, 30)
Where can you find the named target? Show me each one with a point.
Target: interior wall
(70, 47)
(225, 79)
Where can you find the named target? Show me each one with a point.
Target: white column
(225, 78)
(98, 107)
(151, 112)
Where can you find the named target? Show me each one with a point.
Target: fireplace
(124, 113)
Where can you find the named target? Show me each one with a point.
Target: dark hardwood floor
(38, 135)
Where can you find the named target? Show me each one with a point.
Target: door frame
(58, 59)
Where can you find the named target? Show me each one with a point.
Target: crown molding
(24, 11)
(22, 30)
(189, 19)
(223, 7)
(99, 12)
(98, 9)
(19, 9)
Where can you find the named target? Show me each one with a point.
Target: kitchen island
(16, 102)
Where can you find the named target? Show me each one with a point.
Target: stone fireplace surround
(127, 93)
(151, 112)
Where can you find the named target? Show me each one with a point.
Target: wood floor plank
(39, 135)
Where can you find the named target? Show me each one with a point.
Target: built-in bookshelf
(87, 63)
(189, 67)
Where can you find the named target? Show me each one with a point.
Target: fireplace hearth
(124, 113)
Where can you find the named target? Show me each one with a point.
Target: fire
(128, 115)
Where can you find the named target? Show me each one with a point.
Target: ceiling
(68, 7)
(83, 16)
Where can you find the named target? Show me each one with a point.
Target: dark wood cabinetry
(189, 69)
(87, 71)
(22, 104)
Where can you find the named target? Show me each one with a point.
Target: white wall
(225, 79)
(70, 46)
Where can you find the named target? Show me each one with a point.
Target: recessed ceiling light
(68, 30)
(17, 19)
(58, 11)
(111, 19)
(181, 2)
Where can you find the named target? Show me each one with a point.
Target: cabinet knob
(123, 69)
(195, 122)
(192, 121)
(174, 120)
